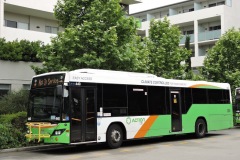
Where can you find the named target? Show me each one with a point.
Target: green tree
(166, 56)
(97, 35)
(222, 61)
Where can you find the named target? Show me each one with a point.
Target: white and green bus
(95, 106)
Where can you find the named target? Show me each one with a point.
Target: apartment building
(31, 20)
(203, 20)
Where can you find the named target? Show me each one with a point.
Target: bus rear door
(176, 113)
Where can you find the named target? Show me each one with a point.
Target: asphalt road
(218, 145)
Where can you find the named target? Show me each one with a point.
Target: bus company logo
(130, 120)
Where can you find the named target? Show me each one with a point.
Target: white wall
(197, 61)
(231, 17)
(16, 73)
(16, 17)
(43, 5)
(1, 16)
(36, 22)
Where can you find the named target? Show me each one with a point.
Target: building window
(216, 4)
(188, 32)
(215, 28)
(212, 5)
(191, 9)
(15, 24)
(221, 3)
(26, 86)
(22, 25)
(50, 29)
(4, 89)
(12, 24)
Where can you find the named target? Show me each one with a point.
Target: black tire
(114, 136)
(200, 128)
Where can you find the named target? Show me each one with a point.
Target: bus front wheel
(200, 128)
(114, 136)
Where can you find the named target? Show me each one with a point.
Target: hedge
(13, 130)
(22, 50)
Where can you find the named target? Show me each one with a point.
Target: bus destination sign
(48, 81)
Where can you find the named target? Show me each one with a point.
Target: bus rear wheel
(114, 136)
(200, 128)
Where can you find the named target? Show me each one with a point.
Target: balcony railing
(209, 35)
(183, 39)
(15, 33)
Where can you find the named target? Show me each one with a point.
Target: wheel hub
(116, 136)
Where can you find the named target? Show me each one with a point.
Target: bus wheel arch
(115, 135)
(201, 127)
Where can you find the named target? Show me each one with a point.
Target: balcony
(11, 34)
(183, 39)
(209, 35)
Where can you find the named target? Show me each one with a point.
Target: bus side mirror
(59, 90)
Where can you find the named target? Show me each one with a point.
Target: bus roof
(50, 73)
(134, 78)
(131, 78)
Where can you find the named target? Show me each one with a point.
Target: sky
(149, 4)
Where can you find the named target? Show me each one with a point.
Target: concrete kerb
(32, 148)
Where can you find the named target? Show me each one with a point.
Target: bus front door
(83, 117)
(176, 113)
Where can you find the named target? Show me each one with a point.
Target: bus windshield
(44, 105)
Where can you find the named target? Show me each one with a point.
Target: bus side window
(157, 100)
(137, 100)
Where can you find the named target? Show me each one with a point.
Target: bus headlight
(58, 132)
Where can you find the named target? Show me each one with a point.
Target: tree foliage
(22, 50)
(166, 56)
(188, 70)
(97, 35)
(222, 61)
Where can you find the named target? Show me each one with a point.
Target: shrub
(14, 102)
(7, 140)
(13, 130)
(17, 120)
(13, 117)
